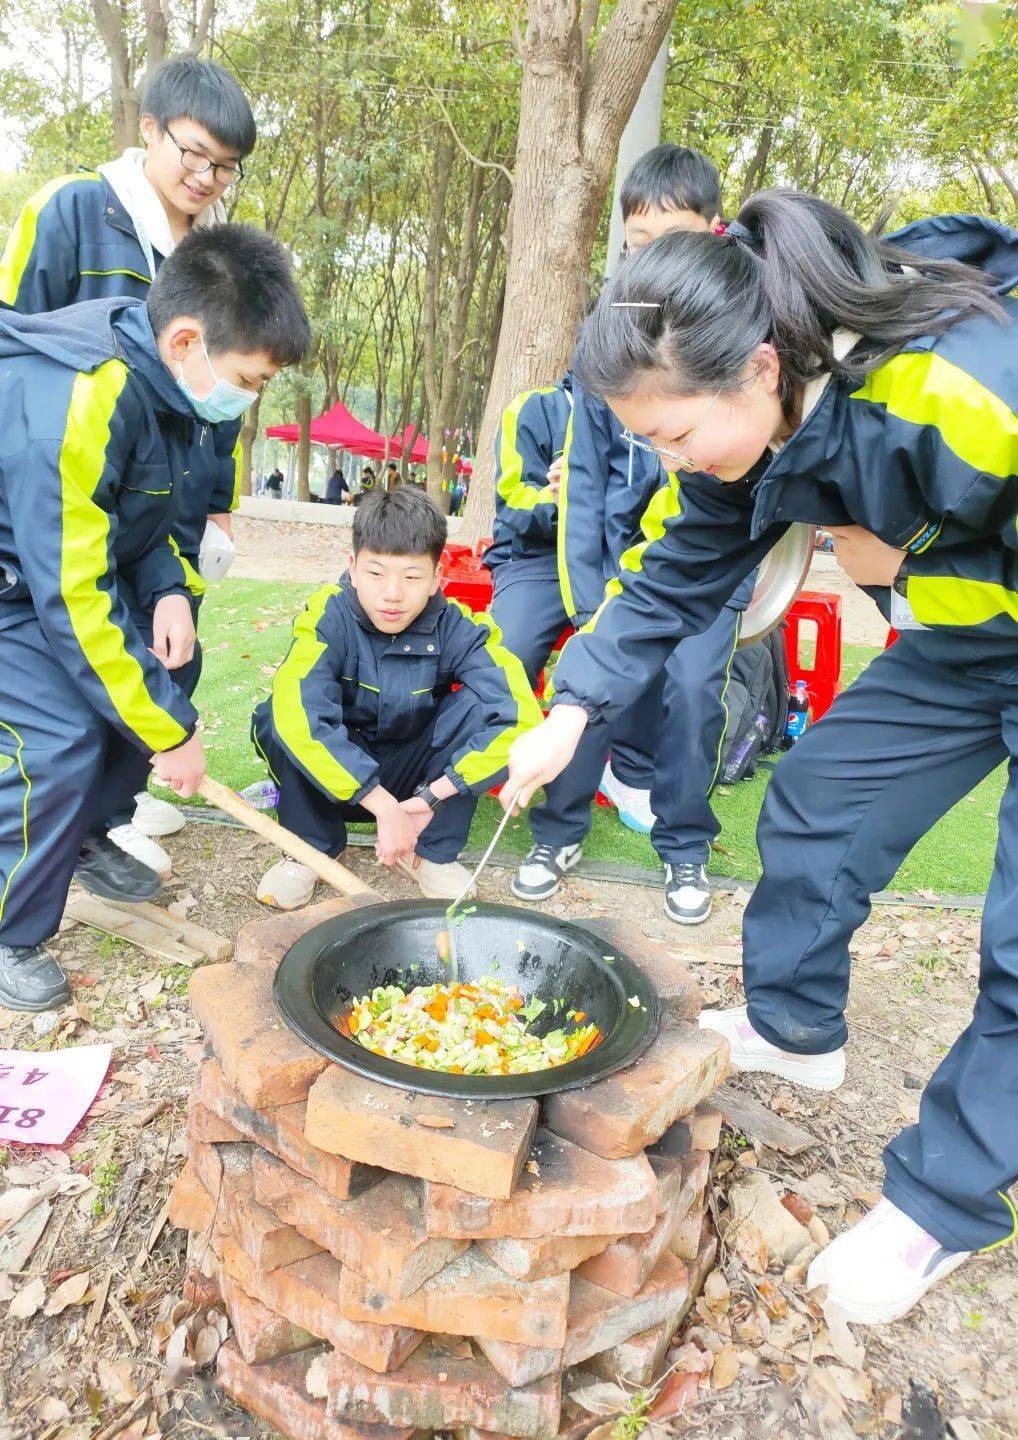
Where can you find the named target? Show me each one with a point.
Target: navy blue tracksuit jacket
(95, 436)
(923, 452)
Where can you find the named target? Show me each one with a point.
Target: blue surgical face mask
(223, 402)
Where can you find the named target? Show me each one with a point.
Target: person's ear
(437, 580)
(179, 336)
(149, 126)
(765, 367)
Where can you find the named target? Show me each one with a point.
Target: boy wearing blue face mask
(99, 404)
(103, 233)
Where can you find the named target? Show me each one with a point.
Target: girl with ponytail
(797, 369)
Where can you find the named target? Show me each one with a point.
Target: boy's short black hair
(400, 522)
(239, 283)
(672, 177)
(203, 92)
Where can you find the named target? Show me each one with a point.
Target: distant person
(368, 478)
(391, 475)
(274, 484)
(336, 487)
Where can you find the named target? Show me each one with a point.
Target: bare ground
(77, 1373)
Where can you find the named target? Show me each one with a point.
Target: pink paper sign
(42, 1097)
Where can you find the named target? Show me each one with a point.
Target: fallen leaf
(716, 1291)
(27, 1301)
(16, 1202)
(149, 991)
(676, 1395)
(70, 1292)
(820, 1190)
(726, 1368)
(51, 1410)
(206, 1346)
(751, 1247)
(436, 1122)
(844, 1344)
(603, 1399)
(117, 1380)
(797, 1206)
(18, 1242)
(691, 1359)
(316, 1381)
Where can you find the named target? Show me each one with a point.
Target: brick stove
(358, 1235)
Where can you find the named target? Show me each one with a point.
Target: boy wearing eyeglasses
(104, 234)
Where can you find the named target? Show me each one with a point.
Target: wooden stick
(156, 940)
(206, 942)
(334, 874)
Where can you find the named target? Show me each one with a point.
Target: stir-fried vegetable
(478, 1029)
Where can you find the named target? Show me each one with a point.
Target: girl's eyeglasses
(681, 457)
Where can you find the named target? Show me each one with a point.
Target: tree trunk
(248, 436)
(304, 445)
(574, 107)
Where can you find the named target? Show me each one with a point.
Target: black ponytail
(693, 307)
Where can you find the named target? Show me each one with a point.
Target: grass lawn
(246, 629)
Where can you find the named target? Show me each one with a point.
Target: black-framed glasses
(199, 164)
(681, 457)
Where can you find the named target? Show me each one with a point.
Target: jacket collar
(424, 624)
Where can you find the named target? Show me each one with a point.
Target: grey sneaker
(541, 873)
(687, 894)
(30, 979)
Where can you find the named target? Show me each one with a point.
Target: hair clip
(636, 304)
(735, 230)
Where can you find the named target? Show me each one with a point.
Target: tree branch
(474, 159)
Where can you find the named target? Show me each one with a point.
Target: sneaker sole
(8, 1003)
(553, 889)
(875, 1314)
(688, 919)
(632, 823)
(788, 1070)
(107, 892)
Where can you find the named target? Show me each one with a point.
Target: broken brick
(535, 1259)
(306, 1294)
(639, 1360)
(381, 1235)
(205, 1124)
(472, 1297)
(261, 1333)
(436, 1391)
(625, 1112)
(705, 1123)
(266, 1239)
(482, 1150)
(626, 1264)
(562, 1190)
(263, 943)
(201, 1291)
(685, 1243)
(211, 1163)
(677, 990)
(259, 1054)
(277, 1393)
(280, 1130)
(600, 1320)
(191, 1205)
(520, 1364)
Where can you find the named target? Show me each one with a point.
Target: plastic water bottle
(263, 794)
(740, 761)
(798, 714)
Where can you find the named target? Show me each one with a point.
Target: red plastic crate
(823, 678)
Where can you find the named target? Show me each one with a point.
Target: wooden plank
(152, 938)
(752, 1118)
(206, 942)
(725, 952)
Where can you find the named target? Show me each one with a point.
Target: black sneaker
(541, 873)
(687, 894)
(30, 979)
(104, 869)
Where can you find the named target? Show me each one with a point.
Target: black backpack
(758, 685)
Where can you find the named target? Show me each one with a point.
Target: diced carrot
(579, 1016)
(438, 1007)
(353, 1024)
(486, 1012)
(481, 1037)
(455, 1069)
(427, 1042)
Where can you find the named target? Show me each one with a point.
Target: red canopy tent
(418, 453)
(340, 430)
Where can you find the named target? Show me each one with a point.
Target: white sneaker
(438, 880)
(541, 873)
(153, 816)
(687, 894)
(751, 1051)
(633, 805)
(142, 847)
(287, 885)
(879, 1269)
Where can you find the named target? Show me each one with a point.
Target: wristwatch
(424, 792)
(900, 581)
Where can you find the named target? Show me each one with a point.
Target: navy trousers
(668, 743)
(127, 769)
(914, 734)
(52, 752)
(321, 820)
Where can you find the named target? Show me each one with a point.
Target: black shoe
(30, 979)
(540, 874)
(687, 894)
(106, 870)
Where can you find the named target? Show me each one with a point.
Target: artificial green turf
(245, 628)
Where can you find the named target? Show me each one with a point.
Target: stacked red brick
(384, 1224)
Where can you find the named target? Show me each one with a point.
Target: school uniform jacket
(923, 452)
(604, 488)
(74, 241)
(94, 435)
(343, 678)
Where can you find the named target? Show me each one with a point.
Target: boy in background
(97, 405)
(364, 719)
(105, 233)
